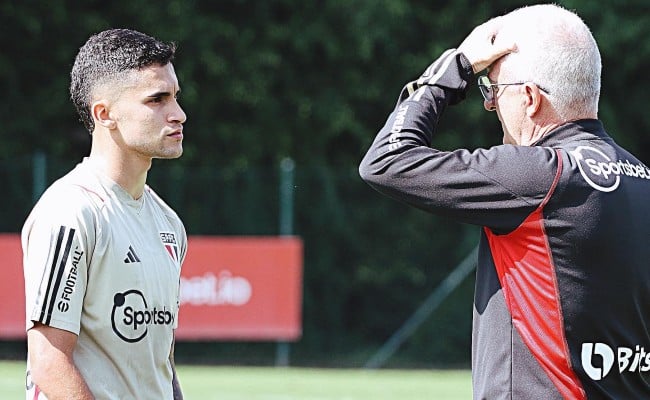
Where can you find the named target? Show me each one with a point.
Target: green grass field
(239, 383)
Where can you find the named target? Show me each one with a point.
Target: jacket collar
(583, 129)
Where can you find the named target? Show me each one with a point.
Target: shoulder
(512, 162)
(507, 153)
(73, 201)
(74, 193)
(525, 171)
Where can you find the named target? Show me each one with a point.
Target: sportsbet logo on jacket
(601, 172)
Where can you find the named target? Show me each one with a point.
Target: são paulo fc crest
(169, 241)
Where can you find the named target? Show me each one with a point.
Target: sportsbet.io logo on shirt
(601, 172)
(598, 360)
(131, 317)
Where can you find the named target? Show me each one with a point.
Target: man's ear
(101, 115)
(534, 99)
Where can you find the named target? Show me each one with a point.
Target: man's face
(508, 104)
(149, 120)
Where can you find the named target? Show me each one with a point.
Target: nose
(177, 114)
(489, 105)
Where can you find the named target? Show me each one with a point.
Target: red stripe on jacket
(527, 274)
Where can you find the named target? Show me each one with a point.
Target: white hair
(556, 51)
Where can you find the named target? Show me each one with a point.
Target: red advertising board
(12, 289)
(241, 288)
(232, 288)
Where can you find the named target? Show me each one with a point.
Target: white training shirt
(106, 267)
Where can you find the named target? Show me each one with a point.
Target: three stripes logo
(131, 256)
(60, 286)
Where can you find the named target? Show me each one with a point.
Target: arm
(401, 162)
(57, 245)
(421, 103)
(51, 365)
(178, 394)
(479, 187)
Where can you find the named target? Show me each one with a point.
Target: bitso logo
(598, 360)
(606, 355)
(601, 172)
(131, 317)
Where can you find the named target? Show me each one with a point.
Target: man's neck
(129, 173)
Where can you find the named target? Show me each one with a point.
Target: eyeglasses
(488, 91)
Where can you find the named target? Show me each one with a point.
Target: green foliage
(312, 80)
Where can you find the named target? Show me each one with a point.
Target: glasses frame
(486, 87)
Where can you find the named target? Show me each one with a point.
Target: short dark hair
(107, 54)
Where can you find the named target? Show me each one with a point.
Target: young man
(102, 252)
(562, 301)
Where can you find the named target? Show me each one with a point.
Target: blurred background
(311, 81)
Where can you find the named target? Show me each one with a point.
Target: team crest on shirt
(169, 241)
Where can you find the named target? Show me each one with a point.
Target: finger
(503, 45)
(501, 49)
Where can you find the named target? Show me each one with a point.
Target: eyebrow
(163, 94)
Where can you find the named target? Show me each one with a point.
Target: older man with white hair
(562, 300)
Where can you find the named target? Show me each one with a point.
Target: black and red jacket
(562, 300)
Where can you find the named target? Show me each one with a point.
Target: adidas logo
(131, 257)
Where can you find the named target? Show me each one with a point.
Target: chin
(170, 155)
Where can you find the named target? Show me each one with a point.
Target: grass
(245, 383)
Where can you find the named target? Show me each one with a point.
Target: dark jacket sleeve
(496, 187)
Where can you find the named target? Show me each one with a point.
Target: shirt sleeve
(496, 187)
(58, 240)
